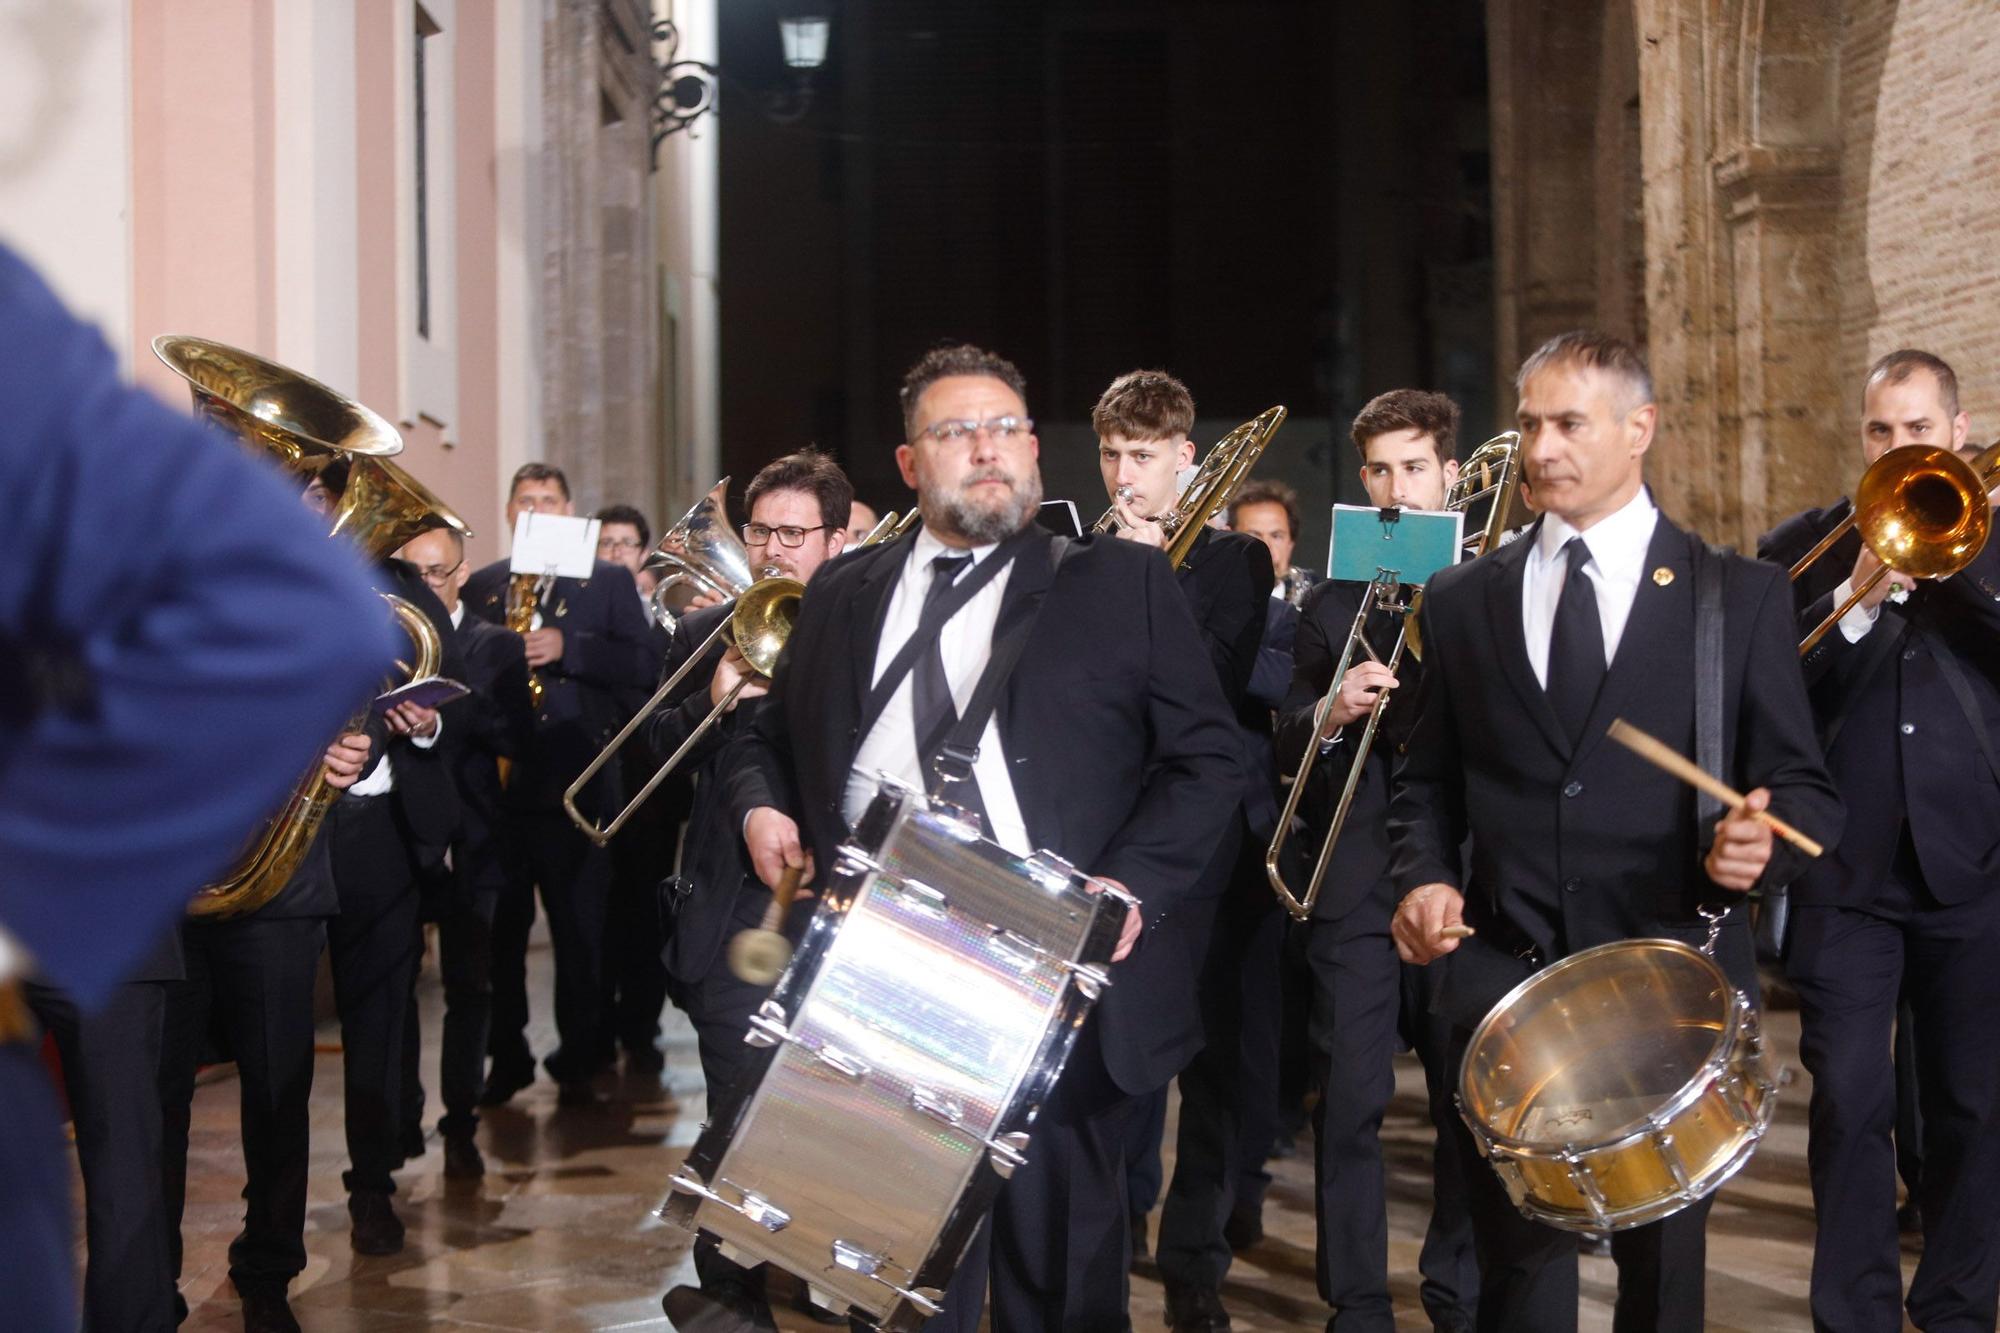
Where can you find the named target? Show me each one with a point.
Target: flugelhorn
(1491, 474)
(307, 427)
(1922, 510)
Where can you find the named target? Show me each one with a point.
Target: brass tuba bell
(701, 554)
(307, 427)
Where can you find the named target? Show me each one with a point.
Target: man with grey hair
(1601, 611)
(1109, 737)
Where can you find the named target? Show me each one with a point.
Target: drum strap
(1710, 751)
(961, 748)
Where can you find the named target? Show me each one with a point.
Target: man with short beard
(1110, 739)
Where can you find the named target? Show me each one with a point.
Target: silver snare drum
(920, 1027)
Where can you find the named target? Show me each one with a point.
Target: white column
(518, 166)
(689, 182)
(317, 275)
(66, 152)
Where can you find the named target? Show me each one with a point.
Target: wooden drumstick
(1458, 932)
(1654, 752)
(760, 956)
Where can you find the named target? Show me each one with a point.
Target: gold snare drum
(1618, 1086)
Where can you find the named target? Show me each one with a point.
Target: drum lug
(1110, 890)
(867, 1263)
(1586, 1185)
(1008, 1153)
(841, 1062)
(1663, 1139)
(1090, 980)
(1050, 871)
(755, 1207)
(767, 1026)
(937, 1106)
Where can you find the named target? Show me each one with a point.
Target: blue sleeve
(178, 642)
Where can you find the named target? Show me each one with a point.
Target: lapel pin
(562, 607)
(1663, 576)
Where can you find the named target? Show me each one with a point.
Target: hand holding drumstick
(1742, 846)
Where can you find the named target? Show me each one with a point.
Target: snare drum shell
(937, 983)
(1639, 1172)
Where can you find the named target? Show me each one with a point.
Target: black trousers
(1229, 1092)
(1448, 1262)
(465, 966)
(1527, 1271)
(35, 1281)
(635, 980)
(111, 1068)
(1056, 1247)
(574, 876)
(1850, 967)
(374, 945)
(252, 979)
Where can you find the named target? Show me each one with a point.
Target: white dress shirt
(382, 779)
(1618, 545)
(965, 644)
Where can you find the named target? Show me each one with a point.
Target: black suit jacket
(1227, 580)
(1571, 850)
(1361, 857)
(609, 666)
(1900, 745)
(715, 868)
(1119, 741)
(495, 722)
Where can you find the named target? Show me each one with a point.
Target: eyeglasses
(757, 534)
(436, 575)
(619, 544)
(1003, 430)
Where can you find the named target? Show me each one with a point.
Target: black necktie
(1576, 646)
(931, 703)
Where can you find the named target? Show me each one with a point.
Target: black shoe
(506, 1078)
(377, 1229)
(1195, 1310)
(1139, 1251)
(265, 1309)
(724, 1308)
(1244, 1228)
(1910, 1219)
(577, 1094)
(461, 1158)
(645, 1060)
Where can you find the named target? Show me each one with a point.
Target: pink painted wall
(204, 235)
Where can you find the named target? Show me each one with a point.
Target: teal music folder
(1408, 545)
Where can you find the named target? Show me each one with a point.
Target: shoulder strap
(933, 622)
(961, 748)
(1709, 749)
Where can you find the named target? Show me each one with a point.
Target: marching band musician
(1110, 740)
(491, 726)
(1361, 997)
(593, 651)
(1142, 423)
(1906, 689)
(1529, 654)
(798, 507)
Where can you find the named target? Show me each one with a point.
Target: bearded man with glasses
(1109, 742)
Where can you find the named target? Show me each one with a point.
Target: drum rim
(1713, 1067)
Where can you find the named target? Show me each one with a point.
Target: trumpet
(1222, 473)
(758, 628)
(1922, 510)
(1491, 473)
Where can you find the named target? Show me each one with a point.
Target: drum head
(1585, 1051)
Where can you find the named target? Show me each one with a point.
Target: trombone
(1490, 472)
(1224, 469)
(758, 626)
(1924, 513)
